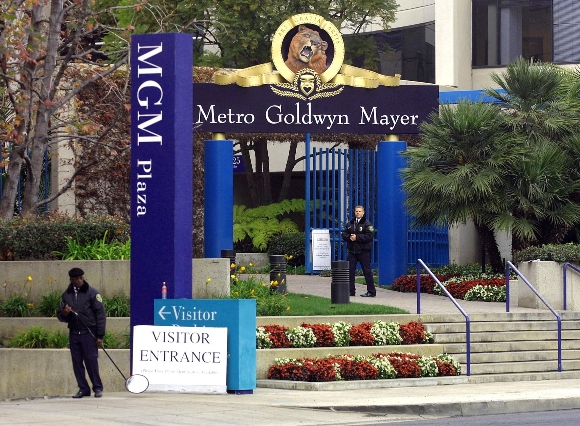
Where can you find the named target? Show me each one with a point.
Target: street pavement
(410, 399)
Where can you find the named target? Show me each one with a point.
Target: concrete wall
(259, 260)
(548, 279)
(110, 277)
(31, 373)
(36, 373)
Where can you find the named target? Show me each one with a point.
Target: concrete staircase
(511, 346)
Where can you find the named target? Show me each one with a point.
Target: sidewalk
(332, 407)
(292, 407)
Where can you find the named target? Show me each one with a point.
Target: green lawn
(305, 304)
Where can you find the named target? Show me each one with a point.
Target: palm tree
(542, 195)
(458, 171)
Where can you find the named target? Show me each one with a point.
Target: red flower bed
(445, 369)
(405, 364)
(356, 370)
(323, 370)
(320, 370)
(458, 290)
(278, 336)
(412, 333)
(408, 283)
(360, 335)
(323, 333)
(290, 371)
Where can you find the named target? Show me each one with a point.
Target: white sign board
(321, 252)
(181, 359)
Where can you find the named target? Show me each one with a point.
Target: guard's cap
(76, 272)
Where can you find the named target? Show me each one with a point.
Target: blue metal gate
(340, 179)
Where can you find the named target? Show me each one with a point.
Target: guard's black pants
(365, 262)
(85, 353)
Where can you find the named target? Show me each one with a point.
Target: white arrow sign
(162, 313)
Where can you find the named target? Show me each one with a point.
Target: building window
(409, 52)
(504, 30)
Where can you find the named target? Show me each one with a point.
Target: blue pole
(391, 221)
(307, 227)
(219, 198)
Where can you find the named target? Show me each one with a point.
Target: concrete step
(522, 356)
(532, 345)
(509, 347)
(521, 377)
(522, 367)
(508, 336)
(501, 326)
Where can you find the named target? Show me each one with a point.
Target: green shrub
(291, 245)
(561, 253)
(261, 223)
(95, 250)
(17, 306)
(38, 238)
(473, 269)
(117, 306)
(112, 341)
(245, 246)
(39, 337)
(268, 301)
(50, 303)
(487, 293)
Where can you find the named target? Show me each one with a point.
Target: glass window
(409, 52)
(503, 30)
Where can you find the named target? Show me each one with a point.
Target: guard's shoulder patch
(370, 228)
(99, 298)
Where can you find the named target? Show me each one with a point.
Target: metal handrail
(467, 321)
(575, 268)
(509, 265)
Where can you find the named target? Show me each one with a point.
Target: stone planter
(548, 280)
(110, 277)
(259, 260)
(514, 293)
(33, 373)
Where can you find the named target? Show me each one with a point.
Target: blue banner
(161, 170)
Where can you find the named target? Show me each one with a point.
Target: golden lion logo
(307, 50)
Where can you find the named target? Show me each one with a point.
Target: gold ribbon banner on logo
(248, 77)
(265, 74)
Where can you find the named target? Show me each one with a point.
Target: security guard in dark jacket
(82, 308)
(359, 234)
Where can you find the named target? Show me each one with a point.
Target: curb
(361, 384)
(464, 408)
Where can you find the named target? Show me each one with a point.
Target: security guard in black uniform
(359, 234)
(82, 309)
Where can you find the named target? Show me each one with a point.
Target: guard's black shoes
(353, 293)
(367, 294)
(98, 393)
(79, 394)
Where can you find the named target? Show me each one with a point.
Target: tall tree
(541, 104)
(509, 166)
(457, 172)
(47, 57)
